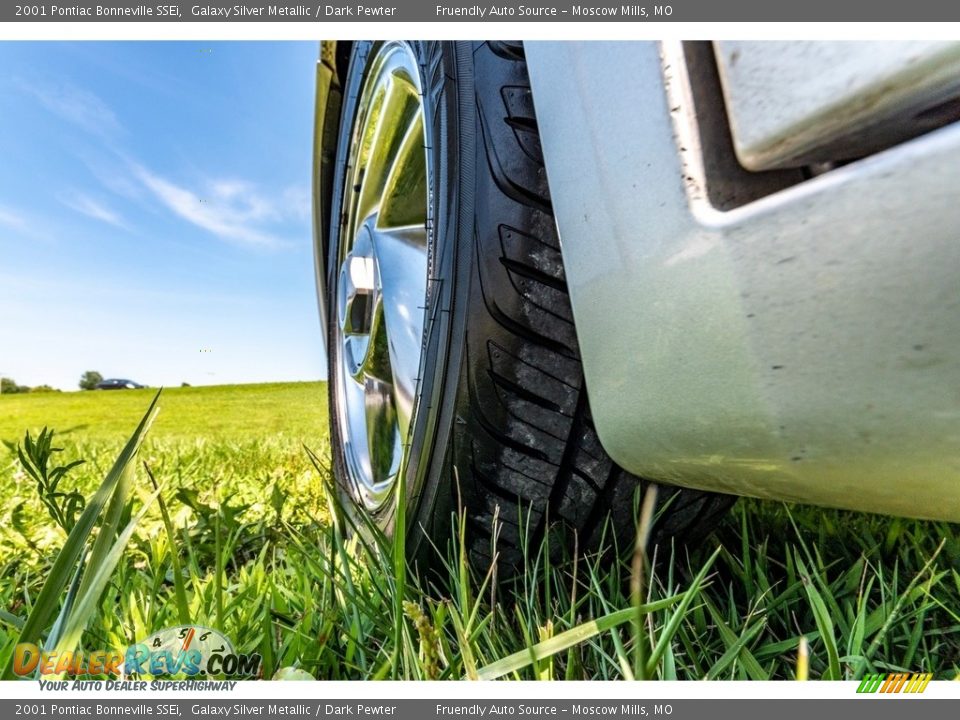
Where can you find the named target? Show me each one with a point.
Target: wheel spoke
(358, 454)
(404, 197)
(381, 429)
(397, 111)
(402, 263)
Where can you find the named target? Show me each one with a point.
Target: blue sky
(155, 212)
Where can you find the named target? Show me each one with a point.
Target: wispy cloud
(10, 218)
(112, 170)
(296, 200)
(230, 209)
(92, 208)
(76, 105)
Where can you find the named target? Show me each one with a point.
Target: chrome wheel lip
(382, 276)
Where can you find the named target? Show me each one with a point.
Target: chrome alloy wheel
(382, 278)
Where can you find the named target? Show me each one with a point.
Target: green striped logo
(895, 683)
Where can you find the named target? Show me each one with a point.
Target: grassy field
(253, 544)
(220, 412)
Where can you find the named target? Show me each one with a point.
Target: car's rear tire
(499, 422)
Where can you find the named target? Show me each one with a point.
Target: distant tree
(184, 384)
(90, 379)
(8, 386)
(43, 388)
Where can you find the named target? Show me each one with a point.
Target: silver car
(552, 273)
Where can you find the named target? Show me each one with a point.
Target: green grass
(234, 412)
(253, 543)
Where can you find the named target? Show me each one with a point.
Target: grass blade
(567, 639)
(666, 635)
(824, 624)
(64, 566)
(179, 587)
(99, 577)
(68, 603)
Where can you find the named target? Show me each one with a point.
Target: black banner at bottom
(881, 708)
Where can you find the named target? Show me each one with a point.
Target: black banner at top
(497, 11)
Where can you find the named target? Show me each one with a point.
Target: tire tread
(529, 443)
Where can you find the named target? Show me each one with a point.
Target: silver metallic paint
(804, 346)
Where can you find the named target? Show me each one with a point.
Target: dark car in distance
(118, 384)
